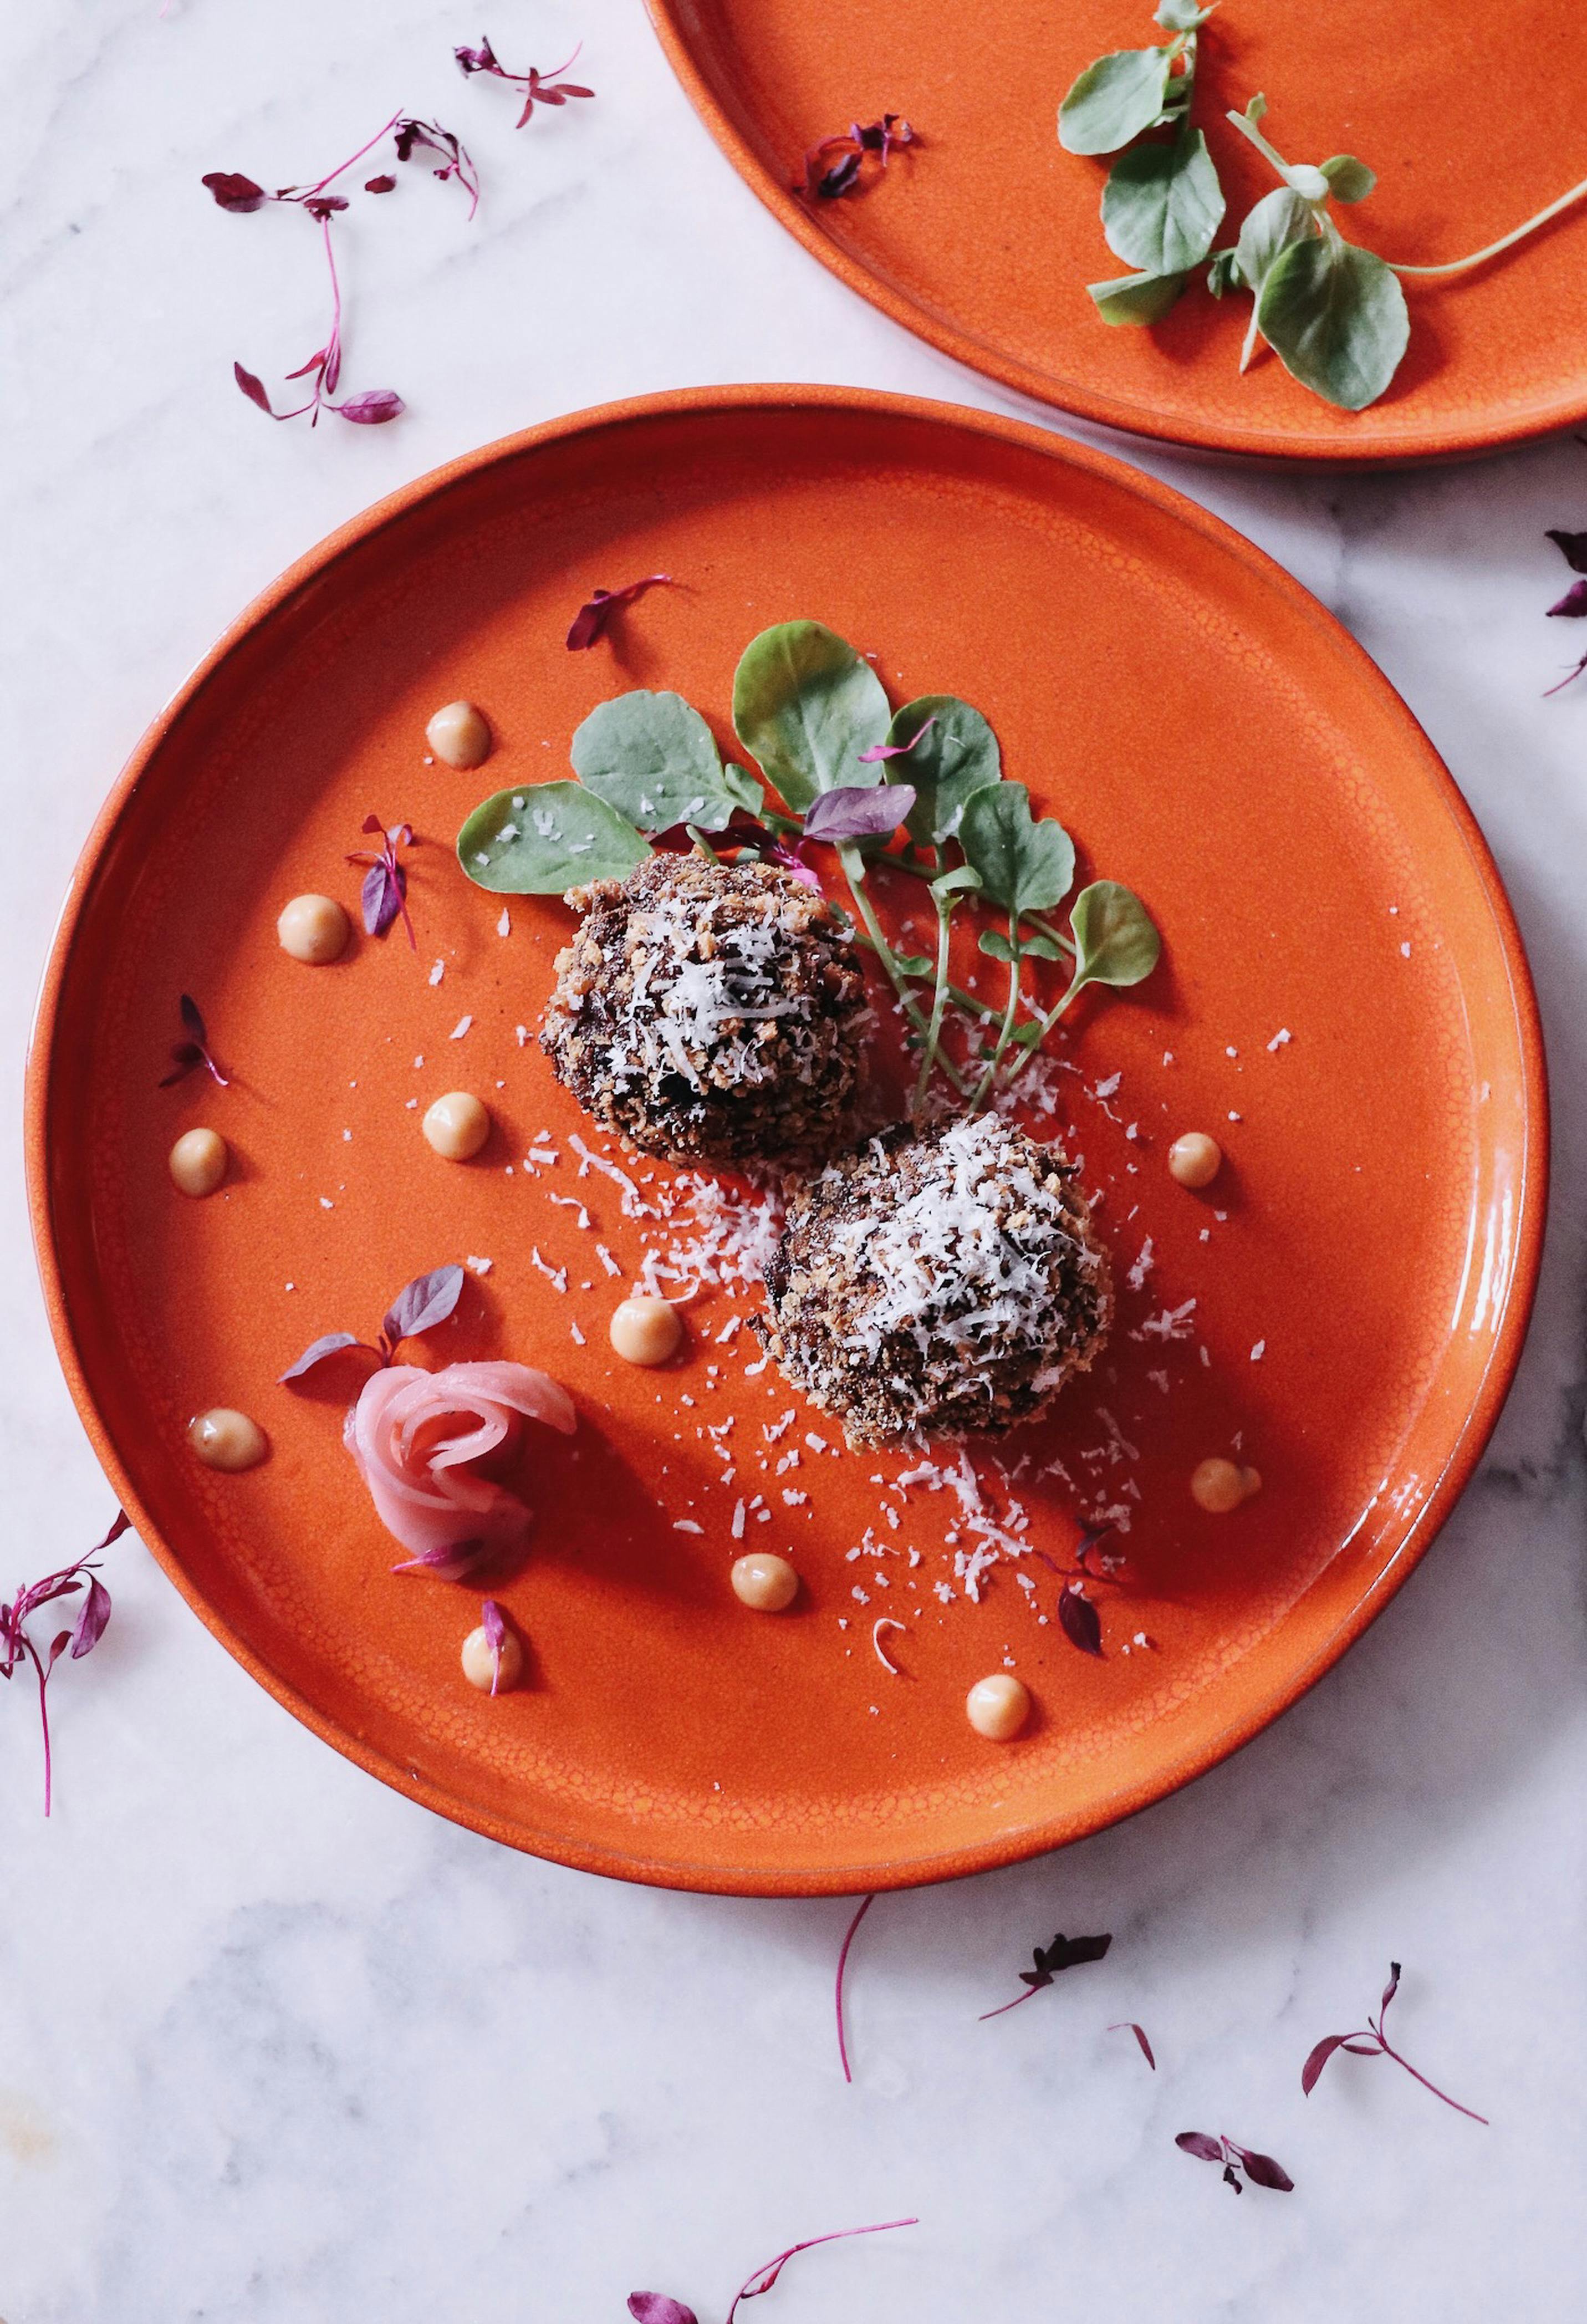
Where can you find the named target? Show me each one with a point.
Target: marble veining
(278, 2048)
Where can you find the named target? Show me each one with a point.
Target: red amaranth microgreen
(1128, 2026)
(660, 2308)
(16, 1647)
(188, 1055)
(417, 1307)
(1573, 606)
(1372, 2042)
(881, 751)
(590, 623)
(836, 165)
(495, 1634)
(842, 1962)
(1259, 2169)
(385, 883)
(239, 194)
(539, 88)
(1078, 1618)
(1051, 1961)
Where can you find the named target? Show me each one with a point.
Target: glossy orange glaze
(1209, 734)
(983, 238)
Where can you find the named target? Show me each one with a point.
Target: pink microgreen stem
(1370, 2041)
(842, 1959)
(16, 1647)
(763, 2278)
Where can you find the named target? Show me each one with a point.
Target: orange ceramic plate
(1360, 1276)
(982, 240)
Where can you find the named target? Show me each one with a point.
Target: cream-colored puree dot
(314, 929)
(646, 1330)
(458, 1125)
(458, 735)
(765, 1582)
(998, 1707)
(479, 1665)
(1219, 1486)
(225, 1439)
(198, 1161)
(1196, 1159)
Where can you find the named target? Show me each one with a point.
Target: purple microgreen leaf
(495, 1636)
(1572, 546)
(897, 749)
(373, 408)
(316, 1352)
(1128, 2026)
(1573, 603)
(1198, 2143)
(381, 896)
(1566, 679)
(384, 184)
(57, 1646)
(482, 59)
(189, 1010)
(233, 191)
(1232, 2179)
(1389, 1990)
(656, 2307)
(589, 623)
(1318, 2059)
(1079, 1619)
(1371, 2047)
(183, 1057)
(449, 1563)
(1051, 1961)
(91, 1622)
(424, 1302)
(858, 811)
(842, 2047)
(119, 1524)
(1265, 2172)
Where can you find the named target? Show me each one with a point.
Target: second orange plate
(983, 238)
(1343, 1001)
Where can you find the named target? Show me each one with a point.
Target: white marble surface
(275, 2045)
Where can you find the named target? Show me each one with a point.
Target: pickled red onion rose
(419, 1438)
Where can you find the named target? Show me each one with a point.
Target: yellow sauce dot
(645, 1331)
(998, 1707)
(765, 1582)
(314, 929)
(1219, 1486)
(1196, 1159)
(225, 1439)
(479, 1664)
(198, 1161)
(458, 1125)
(458, 735)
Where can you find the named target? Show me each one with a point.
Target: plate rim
(1021, 1842)
(1462, 441)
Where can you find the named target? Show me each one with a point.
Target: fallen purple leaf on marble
(1259, 2169)
(1128, 2026)
(1064, 1952)
(16, 1647)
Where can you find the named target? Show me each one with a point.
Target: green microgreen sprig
(851, 773)
(1333, 312)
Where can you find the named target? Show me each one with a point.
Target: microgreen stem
(33, 1653)
(885, 953)
(1003, 2008)
(1248, 128)
(702, 844)
(1005, 1031)
(306, 193)
(1047, 1022)
(945, 913)
(1390, 2051)
(1478, 257)
(765, 2276)
(842, 2047)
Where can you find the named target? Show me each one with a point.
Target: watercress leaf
(1271, 226)
(1114, 99)
(316, 1352)
(962, 879)
(1040, 947)
(1114, 938)
(424, 1302)
(857, 811)
(653, 757)
(743, 789)
(805, 705)
(914, 963)
(1256, 108)
(1180, 16)
(1162, 205)
(955, 755)
(1025, 1036)
(1137, 298)
(1335, 317)
(1223, 273)
(1024, 865)
(1349, 180)
(560, 836)
(995, 944)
